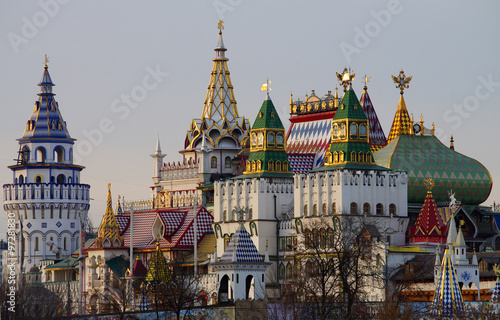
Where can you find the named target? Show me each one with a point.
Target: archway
(250, 287)
(224, 289)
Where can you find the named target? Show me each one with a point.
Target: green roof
(348, 147)
(267, 117)
(118, 265)
(425, 157)
(265, 156)
(350, 166)
(70, 261)
(265, 174)
(352, 108)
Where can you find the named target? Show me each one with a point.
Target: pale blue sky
(101, 51)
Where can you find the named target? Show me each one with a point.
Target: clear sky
(128, 71)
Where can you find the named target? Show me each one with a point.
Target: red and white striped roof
(377, 135)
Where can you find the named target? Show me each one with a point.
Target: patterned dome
(424, 157)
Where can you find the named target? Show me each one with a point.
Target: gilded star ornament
(429, 184)
(402, 81)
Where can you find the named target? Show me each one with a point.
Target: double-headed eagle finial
(402, 81)
(346, 78)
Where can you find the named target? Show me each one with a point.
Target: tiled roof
(267, 116)
(447, 297)
(429, 226)
(243, 246)
(138, 268)
(46, 120)
(118, 265)
(183, 235)
(307, 142)
(377, 135)
(425, 157)
(401, 125)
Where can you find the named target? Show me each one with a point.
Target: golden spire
(401, 125)
(109, 227)
(336, 97)
(365, 88)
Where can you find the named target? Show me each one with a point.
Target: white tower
(46, 199)
(158, 162)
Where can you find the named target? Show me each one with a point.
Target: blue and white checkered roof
(447, 297)
(46, 121)
(245, 248)
(495, 295)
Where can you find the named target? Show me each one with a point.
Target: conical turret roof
(46, 121)
(376, 134)
(401, 125)
(158, 267)
(429, 227)
(241, 248)
(447, 296)
(109, 229)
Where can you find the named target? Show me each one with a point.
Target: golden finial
(220, 25)
(452, 143)
(46, 60)
(345, 78)
(429, 184)
(265, 86)
(109, 185)
(402, 81)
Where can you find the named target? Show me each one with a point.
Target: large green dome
(425, 157)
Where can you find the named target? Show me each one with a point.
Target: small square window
(72, 224)
(44, 224)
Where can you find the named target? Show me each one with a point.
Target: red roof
(430, 227)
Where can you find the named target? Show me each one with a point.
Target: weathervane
(46, 60)
(265, 86)
(367, 79)
(402, 81)
(220, 25)
(346, 78)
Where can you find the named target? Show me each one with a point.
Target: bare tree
(117, 299)
(336, 264)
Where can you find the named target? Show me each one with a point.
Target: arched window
(260, 139)
(289, 270)
(392, 209)
(270, 165)
(354, 130)
(38, 179)
(270, 139)
(59, 154)
(227, 162)
(21, 179)
(278, 165)
(354, 208)
(280, 141)
(284, 167)
(253, 140)
(366, 208)
(362, 130)
(353, 156)
(224, 217)
(61, 178)
(250, 214)
(380, 209)
(37, 248)
(361, 157)
(324, 209)
(282, 271)
(334, 208)
(52, 211)
(259, 165)
(368, 157)
(25, 157)
(305, 210)
(307, 238)
(40, 154)
(341, 156)
(43, 212)
(315, 209)
(315, 239)
(213, 162)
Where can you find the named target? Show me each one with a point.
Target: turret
(158, 162)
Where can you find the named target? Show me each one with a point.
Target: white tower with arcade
(46, 197)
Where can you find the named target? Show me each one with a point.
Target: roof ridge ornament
(402, 81)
